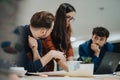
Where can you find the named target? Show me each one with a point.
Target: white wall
(90, 13)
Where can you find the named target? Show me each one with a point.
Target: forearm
(52, 54)
(63, 65)
(97, 53)
(36, 55)
(70, 58)
(44, 60)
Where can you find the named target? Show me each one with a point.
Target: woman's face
(70, 17)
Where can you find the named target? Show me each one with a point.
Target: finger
(42, 75)
(61, 52)
(29, 36)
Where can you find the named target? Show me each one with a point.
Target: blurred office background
(90, 13)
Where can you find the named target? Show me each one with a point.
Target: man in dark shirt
(41, 25)
(96, 47)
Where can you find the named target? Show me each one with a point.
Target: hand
(32, 42)
(38, 74)
(34, 45)
(58, 55)
(96, 49)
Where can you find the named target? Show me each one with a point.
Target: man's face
(100, 41)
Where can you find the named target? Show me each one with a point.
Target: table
(95, 77)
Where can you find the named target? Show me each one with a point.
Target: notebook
(109, 63)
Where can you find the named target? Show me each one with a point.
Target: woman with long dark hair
(60, 36)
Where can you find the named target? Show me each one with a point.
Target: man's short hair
(42, 19)
(100, 31)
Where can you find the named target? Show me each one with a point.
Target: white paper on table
(85, 70)
(77, 73)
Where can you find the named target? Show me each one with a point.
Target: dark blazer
(86, 51)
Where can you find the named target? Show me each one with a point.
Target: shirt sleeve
(70, 51)
(81, 53)
(33, 66)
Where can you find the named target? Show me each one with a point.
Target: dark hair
(42, 19)
(60, 31)
(100, 31)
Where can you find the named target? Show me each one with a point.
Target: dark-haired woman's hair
(61, 33)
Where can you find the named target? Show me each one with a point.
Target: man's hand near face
(34, 45)
(50, 55)
(96, 49)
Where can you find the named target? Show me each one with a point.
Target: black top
(30, 65)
